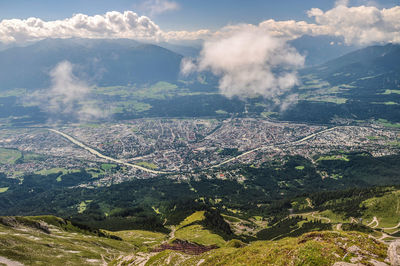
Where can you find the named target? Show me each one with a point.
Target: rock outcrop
(394, 253)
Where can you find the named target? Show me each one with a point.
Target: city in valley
(180, 148)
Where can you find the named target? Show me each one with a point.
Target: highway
(271, 146)
(98, 154)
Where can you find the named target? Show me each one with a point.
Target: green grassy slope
(53, 241)
(192, 230)
(322, 248)
(375, 210)
(48, 240)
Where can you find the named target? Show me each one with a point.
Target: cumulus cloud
(155, 7)
(360, 25)
(67, 94)
(188, 35)
(253, 60)
(292, 29)
(110, 25)
(249, 63)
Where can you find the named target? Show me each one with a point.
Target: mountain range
(360, 85)
(120, 61)
(102, 62)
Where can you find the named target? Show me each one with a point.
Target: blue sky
(243, 54)
(192, 14)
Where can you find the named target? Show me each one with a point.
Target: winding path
(390, 228)
(375, 220)
(320, 217)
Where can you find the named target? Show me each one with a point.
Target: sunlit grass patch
(148, 165)
(9, 156)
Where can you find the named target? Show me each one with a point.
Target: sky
(356, 21)
(188, 14)
(245, 43)
(193, 14)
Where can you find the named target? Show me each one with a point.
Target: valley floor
(148, 147)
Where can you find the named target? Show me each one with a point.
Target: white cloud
(110, 25)
(66, 88)
(360, 25)
(285, 102)
(292, 29)
(155, 7)
(188, 66)
(254, 60)
(249, 59)
(249, 63)
(67, 94)
(188, 35)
